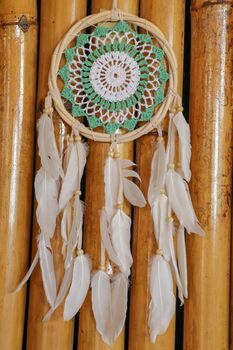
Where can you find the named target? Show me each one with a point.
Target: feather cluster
(76, 279)
(46, 191)
(168, 192)
(109, 293)
(57, 190)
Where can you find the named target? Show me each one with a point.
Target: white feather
(182, 259)
(76, 229)
(160, 220)
(184, 144)
(158, 171)
(79, 286)
(180, 202)
(65, 285)
(162, 305)
(28, 274)
(130, 173)
(48, 152)
(111, 181)
(120, 230)
(106, 239)
(173, 263)
(46, 196)
(125, 163)
(133, 194)
(101, 304)
(74, 172)
(47, 270)
(119, 294)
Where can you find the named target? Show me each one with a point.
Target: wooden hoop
(110, 16)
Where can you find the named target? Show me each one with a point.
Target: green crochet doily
(114, 77)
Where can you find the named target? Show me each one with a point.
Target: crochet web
(114, 77)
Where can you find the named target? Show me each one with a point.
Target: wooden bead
(116, 154)
(77, 138)
(48, 110)
(119, 206)
(160, 139)
(170, 219)
(79, 252)
(159, 252)
(110, 153)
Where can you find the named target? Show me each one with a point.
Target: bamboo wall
(29, 31)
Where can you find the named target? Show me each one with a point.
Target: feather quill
(184, 144)
(182, 259)
(162, 305)
(173, 263)
(28, 274)
(76, 229)
(48, 152)
(111, 181)
(180, 202)
(158, 171)
(66, 227)
(47, 209)
(74, 172)
(101, 304)
(79, 286)
(120, 230)
(160, 220)
(65, 285)
(47, 269)
(106, 239)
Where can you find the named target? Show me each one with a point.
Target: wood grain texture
(207, 309)
(56, 18)
(18, 61)
(88, 337)
(169, 17)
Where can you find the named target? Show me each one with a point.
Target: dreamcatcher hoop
(113, 16)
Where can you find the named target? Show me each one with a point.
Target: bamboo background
(201, 33)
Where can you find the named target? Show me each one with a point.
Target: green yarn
(125, 106)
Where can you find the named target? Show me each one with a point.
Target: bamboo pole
(88, 337)
(17, 100)
(56, 18)
(169, 17)
(207, 310)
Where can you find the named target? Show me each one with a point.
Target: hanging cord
(115, 11)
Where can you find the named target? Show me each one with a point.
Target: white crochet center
(115, 76)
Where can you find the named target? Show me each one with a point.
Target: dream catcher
(118, 83)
